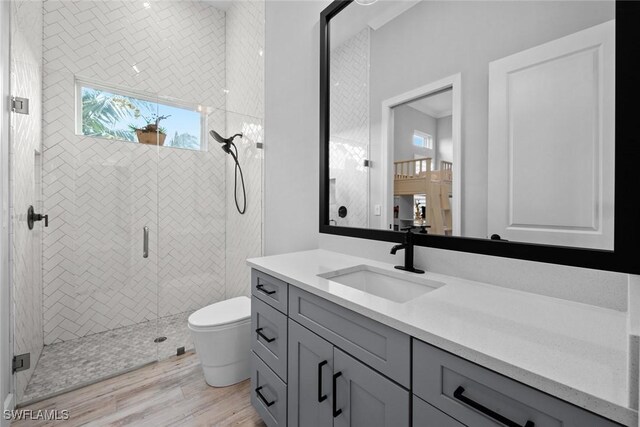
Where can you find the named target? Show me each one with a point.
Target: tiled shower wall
(349, 129)
(100, 193)
(26, 137)
(245, 83)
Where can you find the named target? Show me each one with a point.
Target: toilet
(221, 334)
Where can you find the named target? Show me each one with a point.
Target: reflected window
(113, 114)
(421, 139)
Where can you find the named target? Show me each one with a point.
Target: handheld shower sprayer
(227, 146)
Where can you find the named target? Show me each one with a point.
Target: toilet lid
(222, 313)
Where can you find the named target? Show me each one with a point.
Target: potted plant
(152, 133)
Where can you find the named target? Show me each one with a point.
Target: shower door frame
(6, 327)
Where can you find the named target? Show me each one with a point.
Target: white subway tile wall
(349, 129)
(101, 193)
(245, 105)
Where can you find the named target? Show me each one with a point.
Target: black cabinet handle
(488, 412)
(336, 411)
(263, 336)
(261, 288)
(264, 400)
(321, 397)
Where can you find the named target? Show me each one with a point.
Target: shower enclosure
(139, 234)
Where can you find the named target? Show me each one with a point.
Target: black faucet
(408, 253)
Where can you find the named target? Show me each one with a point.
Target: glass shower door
(98, 184)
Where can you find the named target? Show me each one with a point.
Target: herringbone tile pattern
(245, 81)
(26, 137)
(244, 232)
(191, 230)
(349, 129)
(101, 193)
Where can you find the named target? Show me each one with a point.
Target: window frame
(425, 137)
(80, 83)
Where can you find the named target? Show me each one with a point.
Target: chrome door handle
(145, 242)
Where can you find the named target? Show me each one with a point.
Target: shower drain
(160, 339)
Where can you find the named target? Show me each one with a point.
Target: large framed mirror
(496, 127)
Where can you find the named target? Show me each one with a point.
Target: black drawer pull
(263, 336)
(336, 411)
(321, 397)
(261, 288)
(264, 400)
(488, 412)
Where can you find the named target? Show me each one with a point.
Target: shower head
(215, 135)
(226, 142)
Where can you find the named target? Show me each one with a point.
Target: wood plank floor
(168, 393)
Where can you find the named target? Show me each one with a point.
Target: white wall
(291, 193)
(445, 139)
(291, 125)
(406, 120)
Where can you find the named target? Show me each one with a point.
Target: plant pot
(150, 138)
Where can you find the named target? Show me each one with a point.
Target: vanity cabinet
(476, 396)
(327, 387)
(318, 364)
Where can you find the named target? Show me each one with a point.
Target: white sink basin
(390, 285)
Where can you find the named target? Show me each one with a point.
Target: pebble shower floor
(71, 364)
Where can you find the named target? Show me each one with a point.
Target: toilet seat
(222, 314)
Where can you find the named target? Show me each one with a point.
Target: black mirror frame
(623, 258)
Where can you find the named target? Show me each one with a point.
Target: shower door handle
(145, 242)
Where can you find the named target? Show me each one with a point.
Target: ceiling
(437, 106)
(355, 17)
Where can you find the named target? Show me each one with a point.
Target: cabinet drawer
(268, 393)
(425, 415)
(270, 290)
(379, 346)
(478, 397)
(269, 329)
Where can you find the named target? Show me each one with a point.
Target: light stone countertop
(570, 350)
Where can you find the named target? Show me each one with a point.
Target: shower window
(120, 115)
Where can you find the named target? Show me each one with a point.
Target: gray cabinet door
(365, 398)
(310, 369)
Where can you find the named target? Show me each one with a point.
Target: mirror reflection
(484, 119)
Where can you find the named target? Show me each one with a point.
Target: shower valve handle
(33, 217)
